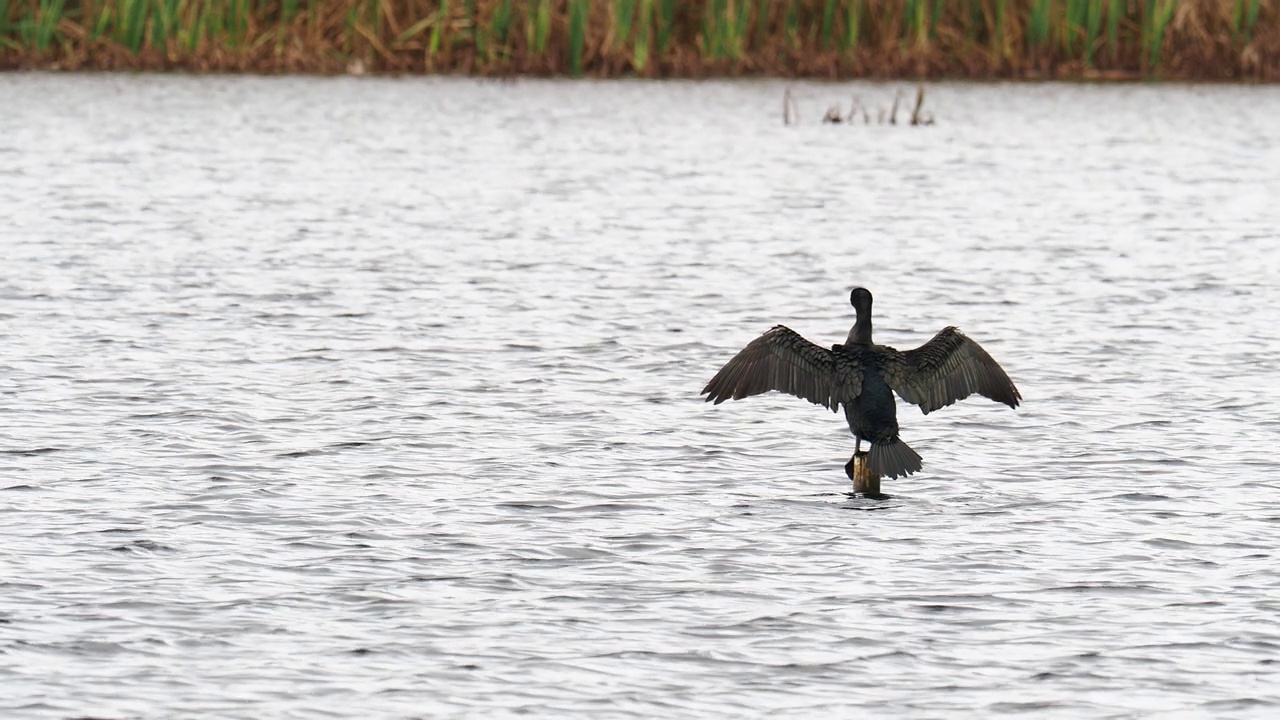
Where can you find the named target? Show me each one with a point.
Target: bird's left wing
(782, 359)
(948, 368)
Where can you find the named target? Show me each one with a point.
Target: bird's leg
(864, 481)
(849, 466)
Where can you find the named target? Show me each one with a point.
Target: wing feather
(948, 368)
(783, 360)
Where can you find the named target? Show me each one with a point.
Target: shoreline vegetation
(1040, 39)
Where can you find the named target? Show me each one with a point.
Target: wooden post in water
(915, 112)
(864, 481)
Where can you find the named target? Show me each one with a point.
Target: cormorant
(863, 376)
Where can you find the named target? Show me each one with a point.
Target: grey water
(378, 398)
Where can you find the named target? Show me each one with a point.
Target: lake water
(378, 398)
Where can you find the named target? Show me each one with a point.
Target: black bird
(863, 376)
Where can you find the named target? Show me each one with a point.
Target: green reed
(540, 27)
(828, 28)
(1245, 16)
(1092, 29)
(1214, 38)
(1038, 23)
(624, 15)
(999, 30)
(852, 25)
(724, 28)
(577, 34)
(1158, 15)
(1114, 11)
(644, 36)
(665, 20)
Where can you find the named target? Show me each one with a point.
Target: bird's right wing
(783, 360)
(948, 368)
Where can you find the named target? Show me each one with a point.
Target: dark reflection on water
(326, 397)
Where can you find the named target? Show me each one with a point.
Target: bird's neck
(861, 332)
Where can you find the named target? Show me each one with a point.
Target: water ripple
(329, 398)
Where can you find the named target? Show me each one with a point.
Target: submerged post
(864, 481)
(915, 112)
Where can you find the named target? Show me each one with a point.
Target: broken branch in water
(836, 116)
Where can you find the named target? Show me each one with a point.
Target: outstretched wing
(783, 360)
(948, 368)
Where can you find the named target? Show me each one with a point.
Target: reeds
(817, 38)
(836, 115)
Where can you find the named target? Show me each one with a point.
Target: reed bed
(1192, 39)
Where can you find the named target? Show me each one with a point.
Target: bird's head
(860, 299)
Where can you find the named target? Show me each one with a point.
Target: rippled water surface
(379, 399)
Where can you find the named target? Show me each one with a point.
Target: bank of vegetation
(1186, 39)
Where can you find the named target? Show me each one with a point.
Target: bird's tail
(892, 459)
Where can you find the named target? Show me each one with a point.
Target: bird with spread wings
(862, 377)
